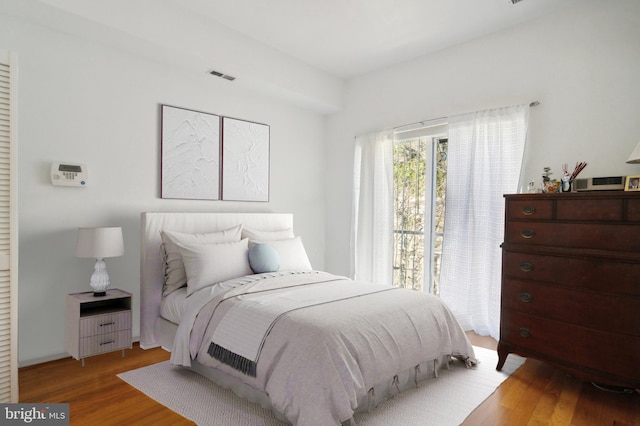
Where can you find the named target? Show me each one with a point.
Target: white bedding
(320, 362)
(243, 326)
(173, 304)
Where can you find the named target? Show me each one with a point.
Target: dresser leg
(82, 362)
(503, 352)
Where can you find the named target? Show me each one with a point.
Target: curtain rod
(424, 122)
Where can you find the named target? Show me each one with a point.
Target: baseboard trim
(53, 357)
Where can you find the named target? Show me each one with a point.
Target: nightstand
(96, 325)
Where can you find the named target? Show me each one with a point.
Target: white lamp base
(99, 279)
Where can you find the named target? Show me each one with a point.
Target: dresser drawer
(633, 209)
(105, 343)
(579, 347)
(601, 275)
(574, 235)
(100, 324)
(605, 210)
(582, 308)
(530, 209)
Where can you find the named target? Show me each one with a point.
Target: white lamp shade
(99, 243)
(634, 158)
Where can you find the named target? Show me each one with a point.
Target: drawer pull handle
(526, 297)
(525, 332)
(526, 267)
(107, 324)
(107, 343)
(527, 233)
(528, 210)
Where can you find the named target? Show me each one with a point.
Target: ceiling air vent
(515, 1)
(219, 74)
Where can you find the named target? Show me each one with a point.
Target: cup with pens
(567, 179)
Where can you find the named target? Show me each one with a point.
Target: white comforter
(318, 362)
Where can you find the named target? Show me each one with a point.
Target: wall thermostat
(68, 174)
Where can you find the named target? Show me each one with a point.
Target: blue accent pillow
(263, 258)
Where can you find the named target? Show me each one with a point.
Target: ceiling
(346, 38)
(343, 38)
(302, 51)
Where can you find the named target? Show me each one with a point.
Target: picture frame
(190, 154)
(632, 183)
(245, 160)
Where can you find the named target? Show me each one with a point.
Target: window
(440, 165)
(420, 166)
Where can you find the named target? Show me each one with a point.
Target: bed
(312, 347)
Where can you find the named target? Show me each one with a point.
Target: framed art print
(190, 154)
(245, 160)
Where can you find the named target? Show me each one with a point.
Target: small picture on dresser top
(632, 183)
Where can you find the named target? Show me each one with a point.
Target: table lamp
(634, 158)
(99, 243)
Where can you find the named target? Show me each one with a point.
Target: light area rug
(445, 400)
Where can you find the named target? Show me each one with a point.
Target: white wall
(583, 65)
(92, 101)
(81, 101)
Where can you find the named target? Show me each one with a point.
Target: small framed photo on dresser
(632, 183)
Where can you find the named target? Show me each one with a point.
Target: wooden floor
(95, 395)
(536, 394)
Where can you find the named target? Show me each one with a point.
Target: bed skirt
(379, 393)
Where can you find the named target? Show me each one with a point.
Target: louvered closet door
(8, 232)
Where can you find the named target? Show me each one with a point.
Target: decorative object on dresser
(567, 179)
(548, 184)
(632, 183)
(100, 243)
(95, 326)
(610, 183)
(570, 293)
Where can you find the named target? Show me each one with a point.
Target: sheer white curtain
(372, 210)
(485, 153)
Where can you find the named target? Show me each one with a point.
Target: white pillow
(293, 256)
(280, 234)
(174, 274)
(208, 264)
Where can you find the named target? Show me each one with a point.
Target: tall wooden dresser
(571, 283)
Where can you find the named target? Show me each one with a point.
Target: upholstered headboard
(151, 257)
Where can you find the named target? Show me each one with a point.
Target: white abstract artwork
(245, 160)
(190, 154)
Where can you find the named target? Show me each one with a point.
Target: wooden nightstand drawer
(107, 342)
(100, 324)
